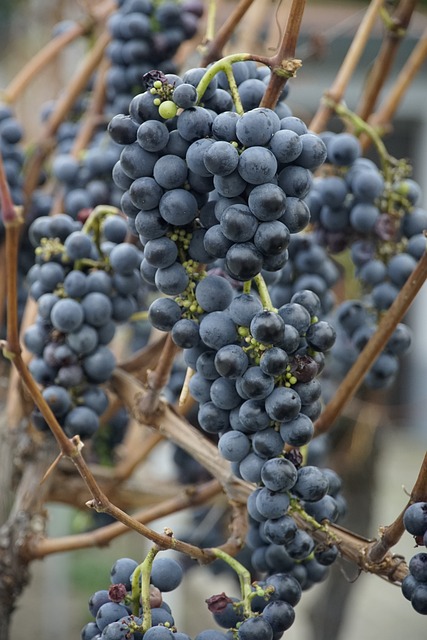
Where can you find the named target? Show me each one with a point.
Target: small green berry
(168, 109)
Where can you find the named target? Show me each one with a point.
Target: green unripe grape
(168, 109)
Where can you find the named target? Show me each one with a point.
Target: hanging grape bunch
(85, 281)
(136, 595)
(375, 215)
(211, 192)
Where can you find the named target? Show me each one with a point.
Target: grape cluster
(84, 283)
(272, 610)
(414, 586)
(118, 617)
(112, 608)
(11, 134)
(255, 382)
(354, 206)
(82, 181)
(212, 187)
(205, 185)
(274, 537)
(355, 324)
(255, 367)
(343, 199)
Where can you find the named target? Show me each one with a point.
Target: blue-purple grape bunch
(206, 187)
(414, 586)
(256, 385)
(116, 617)
(374, 214)
(114, 610)
(85, 282)
(211, 194)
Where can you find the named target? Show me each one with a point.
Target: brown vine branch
(94, 112)
(12, 222)
(224, 33)
(373, 348)
(101, 10)
(157, 379)
(17, 404)
(283, 60)
(378, 75)
(25, 519)
(355, 548)
(3, 284)
(145, 358)
(69, 448)
(174, 427)
(192, 496)
(40, 60)
(390, 536)
(162, 541)
(238, 529)
(384, 115)
(72, 449)
(349, 64)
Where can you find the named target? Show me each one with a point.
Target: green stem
(141, 591)
(88, 262)
(263, 292)
(224, 65)
(387, 161)
(234, 90)
(244, 578)
(247, 286)
(295, 507)
(93, 223)
(139, 315)
(136, 590)
(101, 211)
(390, 24)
